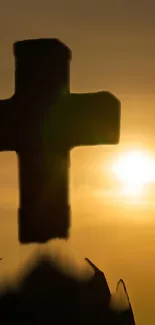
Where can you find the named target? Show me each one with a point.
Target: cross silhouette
(42, 122)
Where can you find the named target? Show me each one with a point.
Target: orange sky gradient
(113, 49)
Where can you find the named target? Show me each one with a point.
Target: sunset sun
(134, 169)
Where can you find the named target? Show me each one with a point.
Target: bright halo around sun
(134, 169)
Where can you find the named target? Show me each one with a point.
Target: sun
(134, 169)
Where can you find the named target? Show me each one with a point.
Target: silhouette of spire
(100, 282)
(120, 304)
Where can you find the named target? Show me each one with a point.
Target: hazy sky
(112, 45)
(113, 49)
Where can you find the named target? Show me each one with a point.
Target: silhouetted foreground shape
(48, 296)
(42, 122)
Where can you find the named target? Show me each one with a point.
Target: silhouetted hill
(46, 295)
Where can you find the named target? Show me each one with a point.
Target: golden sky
(113, 49)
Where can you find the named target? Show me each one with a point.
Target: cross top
(41, 65)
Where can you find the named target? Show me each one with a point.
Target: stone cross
(42, 122)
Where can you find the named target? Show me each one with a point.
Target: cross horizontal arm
(84, 119)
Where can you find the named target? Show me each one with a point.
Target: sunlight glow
(131, 189)
(134, 169)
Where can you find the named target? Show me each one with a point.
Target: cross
(42, 122)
